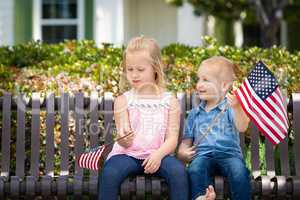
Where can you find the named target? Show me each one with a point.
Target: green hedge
(82, 66)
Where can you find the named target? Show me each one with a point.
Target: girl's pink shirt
(148, 119)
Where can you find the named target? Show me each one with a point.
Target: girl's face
(139, 70)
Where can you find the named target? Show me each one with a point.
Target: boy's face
(210, 86)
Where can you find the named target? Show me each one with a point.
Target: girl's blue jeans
(202, 170)
(119, 167)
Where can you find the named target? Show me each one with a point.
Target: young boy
(218, 151)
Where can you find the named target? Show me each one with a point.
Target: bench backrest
(84, 121)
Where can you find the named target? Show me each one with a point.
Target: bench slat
(35, 135)
(284, 158)
(254, 134)
(5, 144)
(219, 187)
(182, 100)
(94, 129)
(108, 116)
(270, 164)
(125, 189)
(195, 100)
(188, 102)
(284, 154)
(79, 130)
(64, 144)
(156, 188)
(20, 151)
(140, 187)
(296, 128)
(50, 123)
(242, 143)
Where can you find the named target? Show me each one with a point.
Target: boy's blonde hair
(225, 68)
(150, 46)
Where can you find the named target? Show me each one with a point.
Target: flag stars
(262, 81)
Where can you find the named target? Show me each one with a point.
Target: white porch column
(151, 18)
(6, 22)
(190, 27)
(284, 33)
(109, 21)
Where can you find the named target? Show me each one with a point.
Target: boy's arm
(186, 151)
(241, 120)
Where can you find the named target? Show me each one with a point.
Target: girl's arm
(152, 163)
(241, 120)
(122, 121)
(173, 128)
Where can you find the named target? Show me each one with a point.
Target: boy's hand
(210, 193)
(187, 153)
(126, 141)
(152, 163)
(241, 120)
(232, 100)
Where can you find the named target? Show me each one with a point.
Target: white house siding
(109, 21)
(131, 22)
(117, 21)
(190, 27)
(6, 22)
(150, 18)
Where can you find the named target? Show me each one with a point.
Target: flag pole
(119, 138)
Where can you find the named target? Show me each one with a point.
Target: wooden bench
(31, 168)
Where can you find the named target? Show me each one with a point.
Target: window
(57, 20)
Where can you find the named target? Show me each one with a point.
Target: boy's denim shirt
(222, 141)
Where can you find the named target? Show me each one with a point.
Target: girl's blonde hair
(149, 46)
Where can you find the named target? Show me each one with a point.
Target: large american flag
(91, 158)
(262, 100)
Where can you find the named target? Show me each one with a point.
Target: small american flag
(262, 100)
(90, 159)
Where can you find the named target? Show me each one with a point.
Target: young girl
(153, 116)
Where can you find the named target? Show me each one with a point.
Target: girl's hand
(232, 100)
(126, 141)
(187, 154)
(152, 163)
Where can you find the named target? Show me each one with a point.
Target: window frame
(38, 21)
